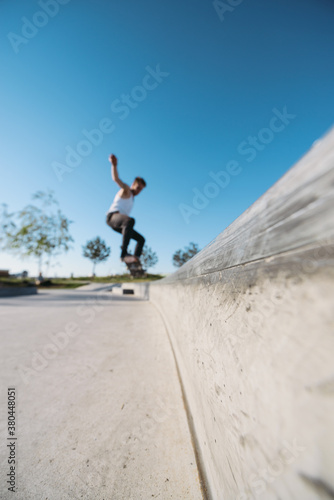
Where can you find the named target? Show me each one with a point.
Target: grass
(76, 282)
(120, 278)
(62, 283)
(4, 282)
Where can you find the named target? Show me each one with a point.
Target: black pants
(124, 225)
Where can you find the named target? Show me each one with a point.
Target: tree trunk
(39, 265)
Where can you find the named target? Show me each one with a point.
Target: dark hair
(141, 180)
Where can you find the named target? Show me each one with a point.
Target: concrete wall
(14, 291)
(251, 323)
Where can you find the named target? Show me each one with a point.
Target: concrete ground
(100, 413)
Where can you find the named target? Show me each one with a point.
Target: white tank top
(122, 205)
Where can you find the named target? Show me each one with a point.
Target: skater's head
(138, 185)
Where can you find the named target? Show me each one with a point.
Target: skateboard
(136, 269)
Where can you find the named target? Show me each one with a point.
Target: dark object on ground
(44, 283)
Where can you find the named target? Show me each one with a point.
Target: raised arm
(114, 173)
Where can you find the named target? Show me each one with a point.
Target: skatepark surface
(100, 409)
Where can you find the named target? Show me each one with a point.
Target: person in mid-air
(118, 215)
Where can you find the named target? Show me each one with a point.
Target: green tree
(148, 258)
(6, 224)
(180, 257)
(96, 250)
(40, 231)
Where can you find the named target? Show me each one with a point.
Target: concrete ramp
(251, 320)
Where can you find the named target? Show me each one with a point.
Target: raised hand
(113, 160)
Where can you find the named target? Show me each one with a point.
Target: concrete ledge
(250, 320)
(140, 290)
(14, 291)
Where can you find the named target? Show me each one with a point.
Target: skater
(118, 215)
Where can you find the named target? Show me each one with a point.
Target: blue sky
(223, 78)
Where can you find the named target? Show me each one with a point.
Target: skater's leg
(140, 242)
(123, 224)
(127, 231)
